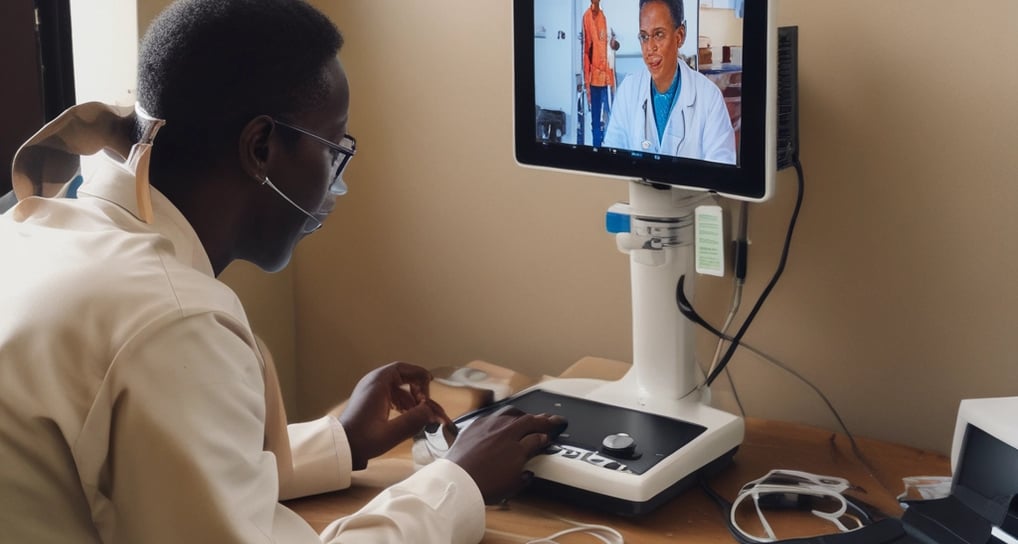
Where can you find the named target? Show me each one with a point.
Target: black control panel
(609, 436)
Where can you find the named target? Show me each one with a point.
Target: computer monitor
(571, 115)
(591, 89)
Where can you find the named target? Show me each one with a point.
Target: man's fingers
(410, 422)
(525, 424)
(403, 400)
(417, 377)
(534, 443)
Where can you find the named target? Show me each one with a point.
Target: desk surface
(691, 517)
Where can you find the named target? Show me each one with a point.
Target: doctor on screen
(669, 108)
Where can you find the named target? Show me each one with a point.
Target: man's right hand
(494, 448)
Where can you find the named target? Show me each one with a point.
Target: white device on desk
(994, 416)
(984, 461)
(633, 443)
(636, 442)
(982, 506)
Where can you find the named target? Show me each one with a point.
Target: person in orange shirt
(598, 76)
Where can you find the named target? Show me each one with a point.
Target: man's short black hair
(674, 6)
(209, 66)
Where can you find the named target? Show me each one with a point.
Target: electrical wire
(733, 310)
(830, 406)
(862, 512)
(776, 362)
(736, 341)
(687, 308)
(603, 533)
(741, 244)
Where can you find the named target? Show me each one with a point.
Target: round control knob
(619, 445)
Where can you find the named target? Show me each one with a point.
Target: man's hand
(397, 386)
(494, 448)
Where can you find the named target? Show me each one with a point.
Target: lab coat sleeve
(321, 458)
(439, 503)
(718, 134)
(186, 460)
(187, 464)
(312, 457)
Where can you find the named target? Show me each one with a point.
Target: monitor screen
(677, 92)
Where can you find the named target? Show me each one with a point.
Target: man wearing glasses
(135, 404)
(669, 108)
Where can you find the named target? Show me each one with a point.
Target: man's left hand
(397, 386)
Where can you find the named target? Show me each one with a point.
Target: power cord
(741, 244)
(741, 250)
(830, 406)
(880, 526)
(687, 308)
(603, 533)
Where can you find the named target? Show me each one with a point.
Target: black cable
(726, 510)
(739, 257)
(687, 308)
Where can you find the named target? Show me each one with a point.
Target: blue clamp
(618, 219)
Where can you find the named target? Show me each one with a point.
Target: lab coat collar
(110, 180)
(687, 91)
(52, 157)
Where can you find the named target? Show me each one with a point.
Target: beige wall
(898, 299)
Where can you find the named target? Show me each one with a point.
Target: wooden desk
(692, 517)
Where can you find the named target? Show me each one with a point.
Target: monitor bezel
(752, 179)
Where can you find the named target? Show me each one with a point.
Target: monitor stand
(634, 443)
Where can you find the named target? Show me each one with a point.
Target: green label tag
(710, 241)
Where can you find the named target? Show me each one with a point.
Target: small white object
(465, 376)
(925, 487)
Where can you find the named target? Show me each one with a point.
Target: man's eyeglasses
(658, 36)
(341, 155)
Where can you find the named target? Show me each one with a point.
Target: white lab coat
(699, 126)
(133, 396)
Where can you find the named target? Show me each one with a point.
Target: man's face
(661, 46)
(595, 5)
(302, 170)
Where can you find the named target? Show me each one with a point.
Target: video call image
(661, 79)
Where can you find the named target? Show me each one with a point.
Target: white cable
(803, 483)
(733, 309)
(603, 533)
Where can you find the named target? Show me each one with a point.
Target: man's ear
(254, 146)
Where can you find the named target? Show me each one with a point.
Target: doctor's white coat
(699, 126)
(135, 403)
